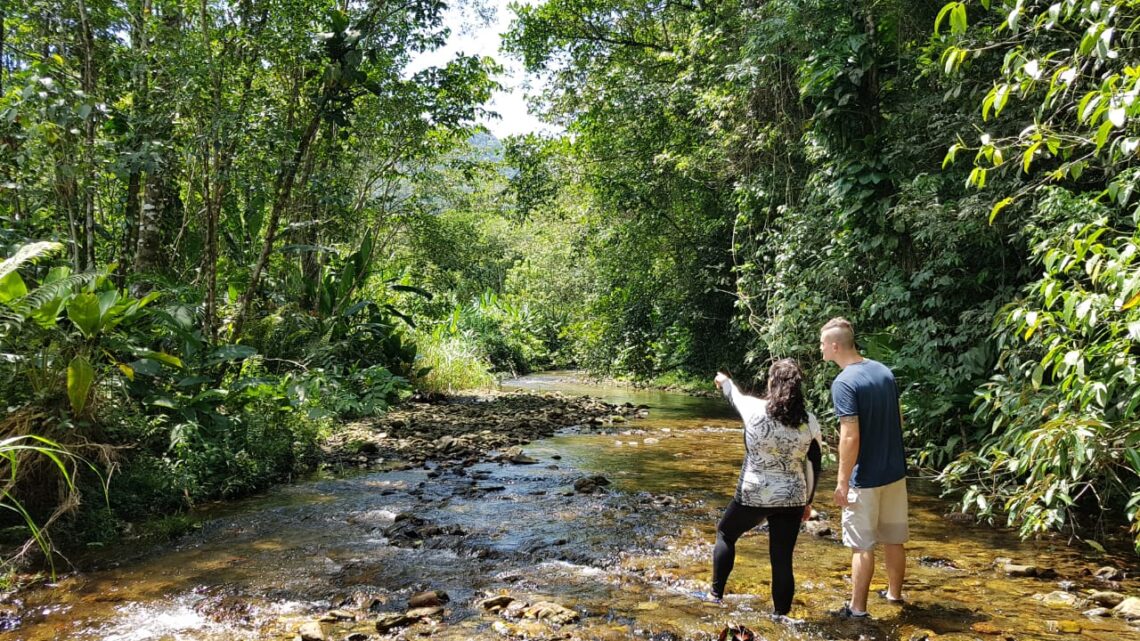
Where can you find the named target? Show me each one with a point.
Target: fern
(28, 253)
(44, 294)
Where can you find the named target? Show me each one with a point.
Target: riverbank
(464, 429)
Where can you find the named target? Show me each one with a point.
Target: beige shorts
(876, 515)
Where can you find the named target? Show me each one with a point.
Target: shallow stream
(627, 559)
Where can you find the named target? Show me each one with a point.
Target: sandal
(847, 613)
(883, 594)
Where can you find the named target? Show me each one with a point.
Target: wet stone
(1067, 627)
(1109, 573)
(1097, 612)
(817, 528)
(1013, 569)
(389, 621)
(313, 631)
(427, 599)
(496, 604)
(1106, 598)
(938, 562)
(425, 612)
(337, 615)
(552, 612)
(1128, 609)
(1057, 599)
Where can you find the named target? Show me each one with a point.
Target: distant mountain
(485, 146)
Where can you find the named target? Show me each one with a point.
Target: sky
(472, 36)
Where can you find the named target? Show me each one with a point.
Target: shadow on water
(627, 558)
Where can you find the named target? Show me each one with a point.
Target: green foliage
(1063, 405)
(14, 454)
(451, 362)
(1072, 64)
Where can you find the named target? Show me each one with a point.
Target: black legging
(783, 528)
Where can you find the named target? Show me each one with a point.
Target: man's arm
(848, 454)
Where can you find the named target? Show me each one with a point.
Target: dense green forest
(229, 226)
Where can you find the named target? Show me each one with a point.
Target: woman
(776, 483)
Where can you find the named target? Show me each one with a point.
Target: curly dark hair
(786, 393)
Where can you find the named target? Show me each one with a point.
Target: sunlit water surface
(627, 559)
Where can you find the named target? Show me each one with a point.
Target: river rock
(313, 631)
(1106, 598)
(923, 635)
(392, 620)
(590, 484)
(428, 599)
(1068, 627)
(1128, 608)
(817, 528)
(1013, 569)
(337, 615)
(1097, 612)
(496, 604)
(1109, 573)
(938, 562)
(985, 627)
(1057, 599)
(425, 612)
(552, 612)
(516, 455)
(514, 609)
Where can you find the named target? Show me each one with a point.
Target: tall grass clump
(455, 360)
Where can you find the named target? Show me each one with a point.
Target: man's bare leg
(895, 559)
(862, 569)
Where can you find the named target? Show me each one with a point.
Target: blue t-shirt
(867, 390)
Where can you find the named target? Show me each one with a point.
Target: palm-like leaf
(46, 293)
(28, 253)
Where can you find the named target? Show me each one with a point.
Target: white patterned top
(776, 472)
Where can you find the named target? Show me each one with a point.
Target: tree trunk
(131, 215)
(87, 83)
(283, 191)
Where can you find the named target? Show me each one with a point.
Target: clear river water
(627, 559)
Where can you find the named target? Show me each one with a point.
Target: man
(871, 484)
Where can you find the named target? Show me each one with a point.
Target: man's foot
(886, 596)
(847, 613)
(784, 619)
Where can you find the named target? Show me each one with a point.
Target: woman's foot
(709, 597)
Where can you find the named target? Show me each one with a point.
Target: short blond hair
(839, 330)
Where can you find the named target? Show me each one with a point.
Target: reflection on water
(627, 559)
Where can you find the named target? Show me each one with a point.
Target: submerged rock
(1106, 598)
(590, 484)
(1128, 609)
(1057, 599)
(1013, 569)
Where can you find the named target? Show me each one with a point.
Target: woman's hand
(807, 513)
